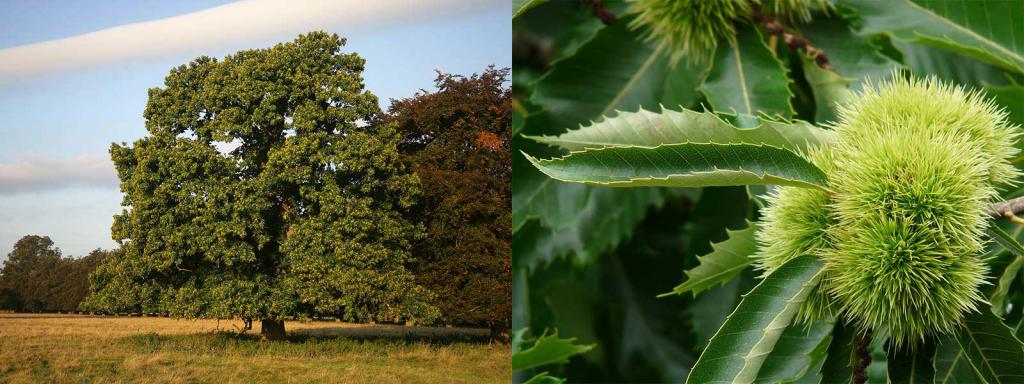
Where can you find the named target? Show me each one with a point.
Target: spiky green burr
(916, 166)
(795, 223)
(913, 170)
(693, 28)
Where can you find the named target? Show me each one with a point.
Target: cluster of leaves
(37, 278)
(264, 190)
(588, 260)
(457, 140)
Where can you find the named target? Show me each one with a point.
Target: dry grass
(70, 348)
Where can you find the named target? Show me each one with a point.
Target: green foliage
(987, 347)
(457, 140)
(571, 219)
(841, 357)
(306, 215)
(912, 365)
(911, 167)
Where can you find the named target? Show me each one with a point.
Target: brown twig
(606, 16)
(793, 41)
(1008, 209)
(860, 367)
(863, 358)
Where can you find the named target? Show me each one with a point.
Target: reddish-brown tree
(457, 139)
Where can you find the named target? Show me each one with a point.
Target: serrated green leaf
(546, 349)
(738, 350)
(838, 367)
(650, 129)
(726, 260)
(912, 365)
(685, 165)
(746, 77)
(800, 349)
(991, 348)
(989, 31)
(521, 6)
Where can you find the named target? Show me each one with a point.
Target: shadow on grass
(325, 342)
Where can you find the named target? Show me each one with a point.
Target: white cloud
(234, 23)
(30, 173)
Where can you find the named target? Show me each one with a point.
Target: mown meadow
(79, 348)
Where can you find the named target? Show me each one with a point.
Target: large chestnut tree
(263, 191)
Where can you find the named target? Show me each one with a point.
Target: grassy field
(72, 348)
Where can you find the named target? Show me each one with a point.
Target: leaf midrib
(981, 354)
(713, 275)
(739, 69)
(632, 80)
(952, 366)
(789, 304)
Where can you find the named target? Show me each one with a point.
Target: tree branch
(793, 41)
(1008, 209)
(860, 367)
(606, 16)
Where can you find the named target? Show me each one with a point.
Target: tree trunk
(272, 330)
(499, 333)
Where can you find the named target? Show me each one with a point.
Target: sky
(74, 76)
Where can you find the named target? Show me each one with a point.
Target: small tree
(304, 216)
(457, 140)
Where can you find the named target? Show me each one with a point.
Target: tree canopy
(265, 188)
(457, 140)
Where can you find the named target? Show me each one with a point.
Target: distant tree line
(36, 277)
